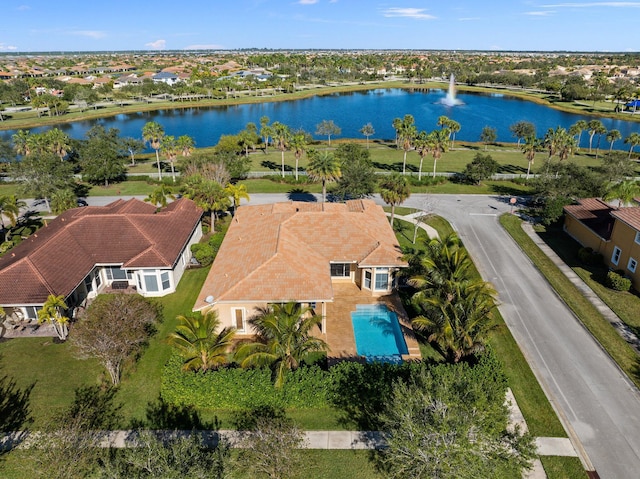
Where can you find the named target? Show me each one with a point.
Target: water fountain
(450, 99)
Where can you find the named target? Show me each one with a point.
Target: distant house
(612, 232)
(302, 252)
(166, 77)
(85, 251)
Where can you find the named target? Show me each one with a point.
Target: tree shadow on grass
(397, 166)
(161, 415)
(272, 165)
(15, 412)
(513, 169)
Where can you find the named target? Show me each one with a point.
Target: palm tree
(530, 147)
(454, 127)
(577, 128)
(22, 142)
(281, 135)
(283, 339)
(152, 133)
(406, 134)
(266, 131)
(455, 308)
(422, 145)
(185, 144)
(438, 144)
(52, 312)
(367, 130)
(169, 148)
(160, 196)
(594, 126)
(10, 207)
(197, 342)
(394, 190)
(237, 192)
(634, 140)
(625, 192)
(58, 142)
(298, 144)
(613, 136)
(323, 166)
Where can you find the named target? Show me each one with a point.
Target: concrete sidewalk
(586, 291)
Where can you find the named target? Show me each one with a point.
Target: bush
(589, 257)
(290, 179)
(204, 253)
(427, 180)
(236, 389)
(481, 168)
(617, 282)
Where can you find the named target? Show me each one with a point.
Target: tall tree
(577, 128)
(160, 196)
(282, 136)
(633, 140)
(198, 343)
(624, 191)
(406, 135)
(114, 329)
(283, 339)
(185, 145)
(152, 133)
(358, 179)
(57, 142)
(613, 136)
(529, 148)
(328, 128)
(208, 195)
(298, 144)
(266, 131)
(594, 127)
(394, 190)
(367, 130)
(237, 192)
(454, 127)
(10, 208)
(438, 141)
(422, 145)
(63, 200)
(522, 130)
(100, 156)
(169, 147)
(323, 166)
(132, 146)
(488, 135)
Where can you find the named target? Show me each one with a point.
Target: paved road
(597, 402)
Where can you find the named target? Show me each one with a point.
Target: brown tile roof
(595, 214)
(56, 258)
(630, 215)
(282, 251)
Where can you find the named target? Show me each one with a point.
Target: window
(382, 280)
(32, 311)
(115, 273)
(151, 282)
(165, 280)
(615, 257)
(139, 281)
(340, 270)
(632, 264)
(88, 283)
(238, 316)
(98, 279)
(367, 279)
(638, 237)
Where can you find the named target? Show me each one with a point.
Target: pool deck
(340, 336)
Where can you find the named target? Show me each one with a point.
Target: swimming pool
(377, 333)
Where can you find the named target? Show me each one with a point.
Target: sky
(502, 25)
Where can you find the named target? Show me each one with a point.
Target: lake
(350, 111)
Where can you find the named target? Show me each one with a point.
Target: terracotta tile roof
(630, 215)
(595, 214)
(282, 251)
(57, 257)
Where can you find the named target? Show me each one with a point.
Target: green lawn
(600, 328)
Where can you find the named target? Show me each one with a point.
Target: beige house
(309, 253)
(612, 232)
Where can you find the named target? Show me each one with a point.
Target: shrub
(589, 257)
(427, 180)
(617, 282)
(204, 253)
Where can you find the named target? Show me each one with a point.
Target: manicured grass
(125, 188)
(558, 467)
(603, 332)
(625, 304)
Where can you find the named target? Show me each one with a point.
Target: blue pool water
(377, 333)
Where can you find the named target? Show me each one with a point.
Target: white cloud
(4, 48)
(23, 7)
(468, 19)
(157, 45)
(212, 46)
(307, 2)
(540, 14)
(417, 13)
(89, 33)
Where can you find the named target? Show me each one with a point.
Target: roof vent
(208, 299)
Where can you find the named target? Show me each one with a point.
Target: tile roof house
(613, 232)
(299, 251)
(126, 244)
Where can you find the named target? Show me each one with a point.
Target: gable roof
(595, 214)
(630, 215)
(56, 258)
(282, 251)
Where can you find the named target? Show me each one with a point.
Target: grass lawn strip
(602, 331)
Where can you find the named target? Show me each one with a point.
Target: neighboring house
(82, 252)
(166, 77)
(298, 251)
(612, 232)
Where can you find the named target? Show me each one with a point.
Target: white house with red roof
(124, 245)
